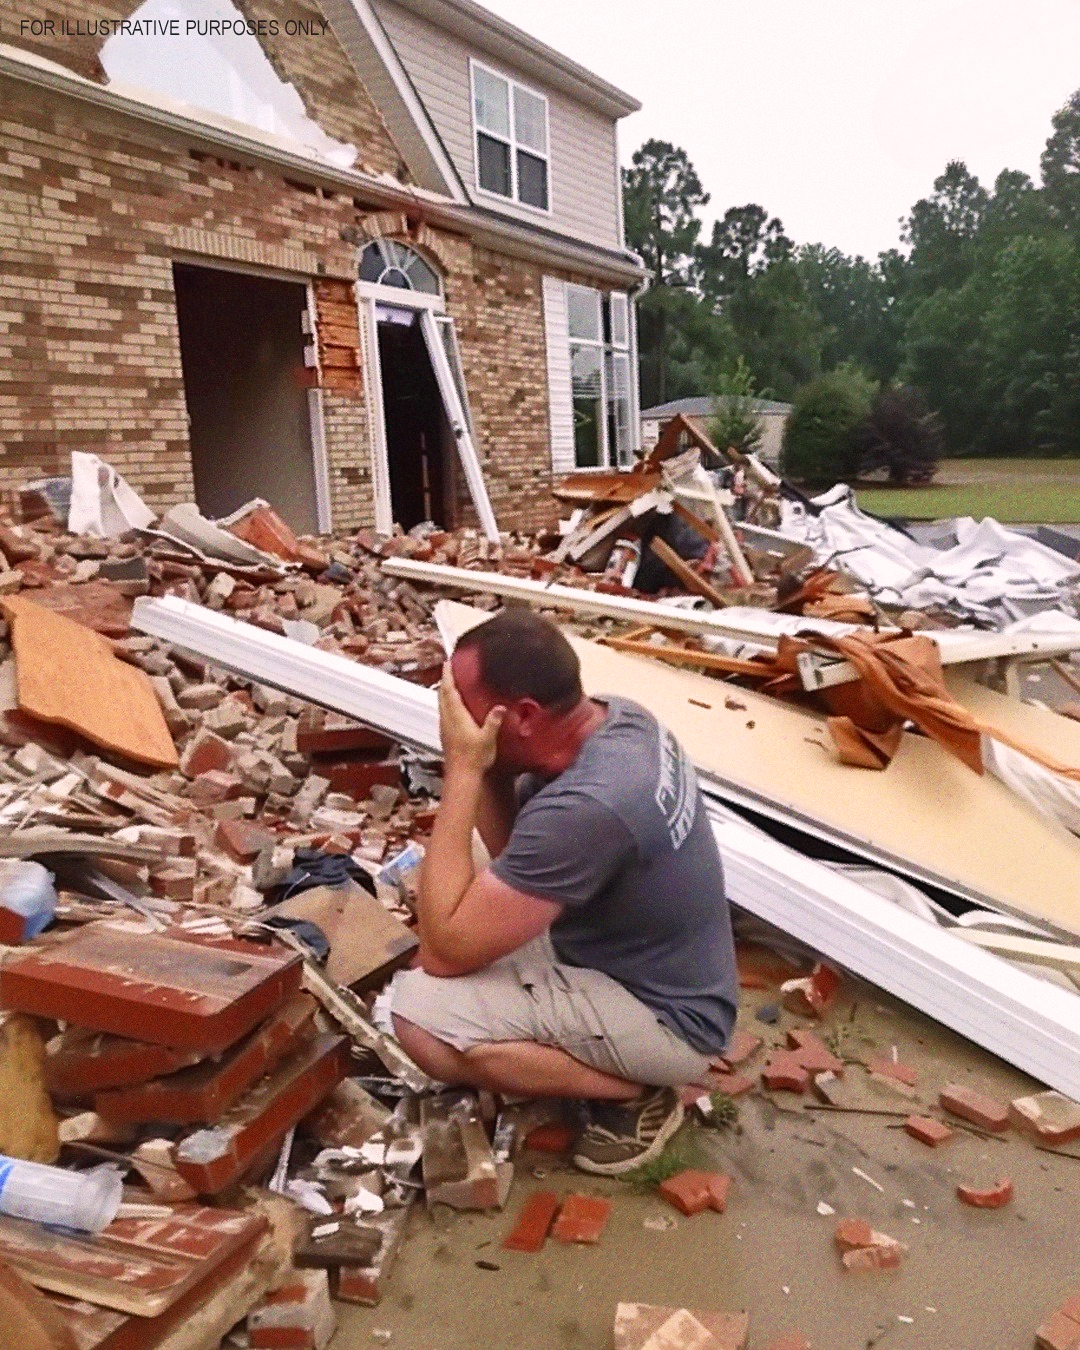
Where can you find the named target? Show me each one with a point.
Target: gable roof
(705, 407)
(375, 60)
(512, 44)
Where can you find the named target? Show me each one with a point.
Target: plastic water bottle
(84, 1200)
(27, 899)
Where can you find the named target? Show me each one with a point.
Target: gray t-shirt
(622, 841)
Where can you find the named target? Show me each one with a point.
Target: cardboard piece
(68, 675)
(367, 943)
(177, 989)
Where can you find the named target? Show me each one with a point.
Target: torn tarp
(993, 574)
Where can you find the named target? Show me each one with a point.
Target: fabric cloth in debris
(621, 840)
(311, 868)
(530, 995)
(993, 574)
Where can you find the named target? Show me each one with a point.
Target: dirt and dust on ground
(970, 1280)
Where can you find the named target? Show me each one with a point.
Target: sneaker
(623, 1135)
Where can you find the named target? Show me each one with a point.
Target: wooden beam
(697, 585)
(687, 656)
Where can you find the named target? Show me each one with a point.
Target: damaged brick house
(363, 258)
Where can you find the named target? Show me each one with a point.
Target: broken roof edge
(511, 238)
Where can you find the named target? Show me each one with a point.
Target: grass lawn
(1046, 491)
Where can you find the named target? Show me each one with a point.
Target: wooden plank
(687, 656)
(926, 814)
(684, 573)
(140, 1266)
(68, 675)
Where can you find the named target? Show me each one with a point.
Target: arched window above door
(386, 262)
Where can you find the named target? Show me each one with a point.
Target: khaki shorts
(530, 996)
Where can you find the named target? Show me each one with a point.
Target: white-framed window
(510, 133)
(385, 262)
(601, 377)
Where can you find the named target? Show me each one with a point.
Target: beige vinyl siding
(583, 154)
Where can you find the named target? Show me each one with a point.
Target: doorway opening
(422, 479)
(242, 355)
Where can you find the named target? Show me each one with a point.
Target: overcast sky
(836, 115)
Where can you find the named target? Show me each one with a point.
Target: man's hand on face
(465, 745)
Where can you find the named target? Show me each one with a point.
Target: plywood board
(929, 812)
(68, 675)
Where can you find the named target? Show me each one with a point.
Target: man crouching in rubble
(593, 958)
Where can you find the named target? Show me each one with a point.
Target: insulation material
(68, 675)
(992, 574)
(102, 503)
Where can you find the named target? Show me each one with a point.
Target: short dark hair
(522, 655)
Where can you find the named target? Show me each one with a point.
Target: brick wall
(93, 207)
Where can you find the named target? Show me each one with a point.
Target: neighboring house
(772, 417)
(318, 251)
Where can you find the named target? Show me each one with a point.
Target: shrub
(900, 434)
(735, 424)
(819, 443)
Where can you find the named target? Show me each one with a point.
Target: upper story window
(389, 263)
(511, 128)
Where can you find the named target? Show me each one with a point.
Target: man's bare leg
(515, 1068)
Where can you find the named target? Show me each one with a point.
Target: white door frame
(369, 295)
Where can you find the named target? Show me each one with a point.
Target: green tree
(942, 228)
(735, 423)
(1060, 164)
(661, 194)
(819, 446)
(777, 328)
(682, 345)
(744, 243)
(856, 302)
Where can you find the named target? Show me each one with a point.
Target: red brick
(215, 786)
(927, 1130)
(1050, 1116)
(534, 1223)
(811, 995)
(872, 1258)
(975, 1107)
(784, 1073)
(794, 1342)
(853, 1233)
(1058, 1332)
(812, 1053)
(551, 1137)
(242, 840)
(203, 1093)
(321, 734)
(80, 1062)
(582, 1218)
(356, 777)
(887, 1068)
(731, 1084)
(993, 1197)
(691, 1191)
(205, 753)
(743, 1046)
